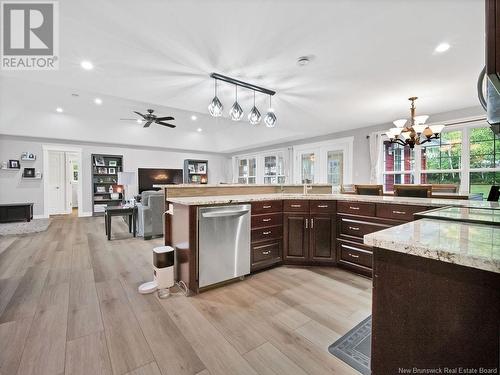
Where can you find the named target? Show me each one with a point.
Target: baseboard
(40, 217)
(85, 214)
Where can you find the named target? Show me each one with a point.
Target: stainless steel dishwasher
(223, 243)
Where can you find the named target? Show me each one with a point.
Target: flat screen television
(149, 177)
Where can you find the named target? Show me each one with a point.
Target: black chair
(369, 189)
(416, 191)
(494, 194)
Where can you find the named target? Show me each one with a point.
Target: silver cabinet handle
(352, 255)
(353, 208)
(322, 206)
(399, 212)
(266, 252)
(266, 206)
(296, 205)
(307, 223)
(266, 220)
(266, 233)
(312, 223)
(353, 228)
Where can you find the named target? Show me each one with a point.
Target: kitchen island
(436, 293)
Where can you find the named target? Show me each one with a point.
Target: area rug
(354, 348)
(23, 227)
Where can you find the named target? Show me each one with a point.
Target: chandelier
(236, 112)
(413, 131)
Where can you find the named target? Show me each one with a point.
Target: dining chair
(369, 189)
(417, 191)
(494, 194)
(444, 188)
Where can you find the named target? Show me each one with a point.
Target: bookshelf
(195, 171)
(105, 189)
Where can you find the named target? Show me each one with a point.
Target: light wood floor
(68, 305)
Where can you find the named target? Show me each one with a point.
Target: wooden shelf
(106, 195)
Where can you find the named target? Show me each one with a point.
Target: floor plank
(88, 355)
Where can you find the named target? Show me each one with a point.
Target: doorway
(62, 181)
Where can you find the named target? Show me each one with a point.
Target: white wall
(15, 189)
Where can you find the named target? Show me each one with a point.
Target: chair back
(347, 189)
(369, 189)
(444, 188)
(417, 191)
(494, 194)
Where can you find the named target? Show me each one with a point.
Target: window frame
(465, 126)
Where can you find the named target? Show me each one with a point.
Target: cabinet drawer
(270, 233)
(268, 220)
(265, 207)
(266, 254)
(318, 207)
(353, 254)
(296, 206)
(359, 228)
(356, 208)
(398, 211)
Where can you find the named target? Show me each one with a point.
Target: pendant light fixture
(236, 112)
(254, 115)
(215, 107)
(270, 117)
(413, 131)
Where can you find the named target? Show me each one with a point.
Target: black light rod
(241, 83)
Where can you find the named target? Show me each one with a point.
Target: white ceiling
(369, 56)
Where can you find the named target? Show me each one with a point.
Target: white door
(57, 183)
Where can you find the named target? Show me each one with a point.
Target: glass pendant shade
(400, 123)
(270, 119)
(419, 128)
(436, 129)
(215, 107)
(236, 112)
(420, 120)
(254, 116)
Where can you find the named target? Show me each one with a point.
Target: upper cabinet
(269, 167)
(195, 171)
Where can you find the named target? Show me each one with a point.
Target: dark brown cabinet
(309, 236)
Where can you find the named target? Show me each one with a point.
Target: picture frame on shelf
(100, 189)
(29, 173)
(28, 156)
(99, 161)
(191, 168)
(111, 170)
(102, 170)
(14, 164)
(112, 163)
(202, 168)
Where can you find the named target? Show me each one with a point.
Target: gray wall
(15, 189)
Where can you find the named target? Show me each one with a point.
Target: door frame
(321, 150)
(46, 196)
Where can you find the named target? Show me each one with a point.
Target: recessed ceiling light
(199, 130)
(59, 110)
(442, 47)
(98, 101)
(87, 65)
(194, 118)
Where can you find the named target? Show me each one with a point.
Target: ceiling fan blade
(165, 118)
(140, 114)
(165, 124)
(146, 125)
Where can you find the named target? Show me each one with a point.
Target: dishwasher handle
(224, 213)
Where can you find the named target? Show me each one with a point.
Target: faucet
(307, 187)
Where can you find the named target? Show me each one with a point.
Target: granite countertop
(430, 202)
(464, 214)
(466, 244)
(178, 186)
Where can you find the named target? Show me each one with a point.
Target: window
(274, 169)
(441, 159)
(247, 171)
(335, 171)
(466, 156)
(399, 164)
(307, 163)
(484, 160)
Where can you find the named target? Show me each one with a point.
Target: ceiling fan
(149, 119)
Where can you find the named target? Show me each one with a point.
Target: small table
(111, 211)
